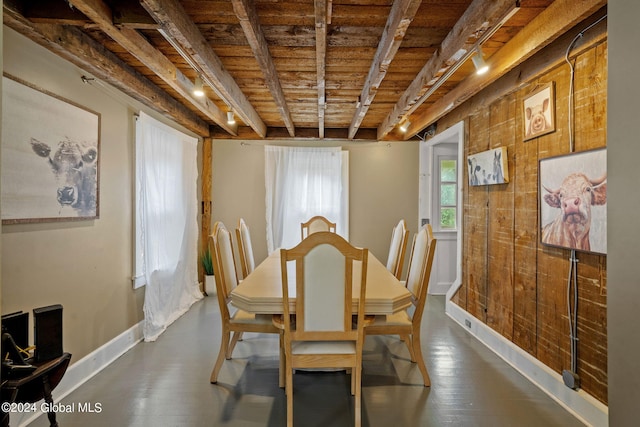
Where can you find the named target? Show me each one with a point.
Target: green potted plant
(207, 266)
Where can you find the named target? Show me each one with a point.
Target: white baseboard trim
(85, 368)
(582, 405)
(439, 288)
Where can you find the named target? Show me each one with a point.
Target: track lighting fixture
(231, 120)
(198, 89)
(478, 61)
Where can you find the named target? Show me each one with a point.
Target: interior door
(440, 204)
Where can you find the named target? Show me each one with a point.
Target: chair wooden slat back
(245, 248)
(397, 248)
(316, 224)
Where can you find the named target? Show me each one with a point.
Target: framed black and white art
(50, 156)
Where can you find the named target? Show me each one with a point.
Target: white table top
(261, 291)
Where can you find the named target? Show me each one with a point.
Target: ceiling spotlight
(198, 89)
(231, 120)
(405, 126)
(478, 61)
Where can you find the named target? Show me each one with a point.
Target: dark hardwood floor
(166, 383)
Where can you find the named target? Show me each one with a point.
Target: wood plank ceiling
(313, 69)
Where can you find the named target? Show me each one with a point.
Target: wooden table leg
(12, 392)
(51, 414)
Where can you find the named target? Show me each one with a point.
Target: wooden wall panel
(476, 224)
(205, 218)
(553, 264)
(525, 290)
(513, 283)
(500, 229)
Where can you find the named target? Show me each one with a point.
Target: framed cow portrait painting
(539, 112)
(573, 201)
(50, 156)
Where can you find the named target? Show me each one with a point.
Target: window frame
(438, 206)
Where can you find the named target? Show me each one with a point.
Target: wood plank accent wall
(515, 285)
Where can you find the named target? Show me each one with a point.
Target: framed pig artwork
(539, 112)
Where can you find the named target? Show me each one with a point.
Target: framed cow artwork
(539, 112)
(488, 167)
(573, 198)
(50, 156)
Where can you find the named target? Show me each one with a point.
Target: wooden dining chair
(240, 321)
(245, 249)
(403, 323)
(323, 334)
(397, 249)
(315, 224)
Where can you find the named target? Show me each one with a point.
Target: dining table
(261, 291)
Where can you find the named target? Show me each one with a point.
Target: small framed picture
(488, 167)
(539, 112)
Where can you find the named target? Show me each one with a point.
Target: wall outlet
(467, 322)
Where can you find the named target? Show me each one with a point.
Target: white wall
(84, 265)
(383, 189)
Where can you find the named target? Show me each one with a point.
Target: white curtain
(166, 174)
(302, 182)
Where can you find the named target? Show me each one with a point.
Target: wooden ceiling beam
(400, 17)
(480, 16)
(131, 14)
(322, 13)
(245, 133)
(550, 24)
(81, 50)
(174, 20)
(51, 12)
(100, 13)
(125, 13)
(246, 12)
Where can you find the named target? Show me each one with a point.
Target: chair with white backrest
(397, 249)
(402, 323)
(323, 334)
(245, 249)
(315, 224)
(240, 321)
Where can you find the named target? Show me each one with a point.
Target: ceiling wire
(572, 73)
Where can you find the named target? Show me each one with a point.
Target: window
(448, 190)
(166, 221)
(302, 182)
